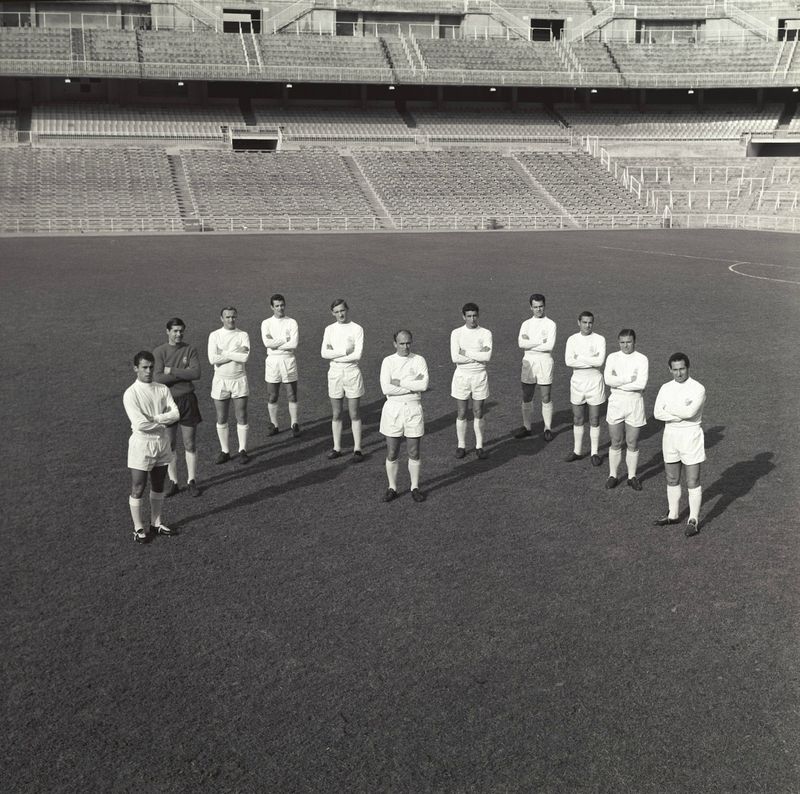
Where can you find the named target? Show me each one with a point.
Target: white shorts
(537, 370)
(345, 382)
(626, 407)
(229, 388)
(468, 384)
(147, 452)
(683, 445)
(402, 419)
(587, 390)
(280, 369)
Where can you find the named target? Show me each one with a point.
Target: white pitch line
(762, 278)
(667, 253)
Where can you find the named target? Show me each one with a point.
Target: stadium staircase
(77, 45)
(541, 191)
(286, 16)
(751, 23)
(509, 20)
(183, 193)
(200, 13)
(369, 192)
(588, 26)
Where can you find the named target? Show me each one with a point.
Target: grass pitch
(522, 630)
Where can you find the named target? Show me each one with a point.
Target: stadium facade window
(546, 29)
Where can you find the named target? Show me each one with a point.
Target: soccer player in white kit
(404, 377)
(585, 353)
(680, 404)
(626, 374)
(342, 345)
(280, 336)
(177, 365)
(471, 351)
(228, 351)
(150, 408)
(537, 337)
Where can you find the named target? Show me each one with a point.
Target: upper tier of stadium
(429, 42)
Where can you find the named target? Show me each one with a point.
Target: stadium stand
(322, 51)
(580, 184)
(95, 120)
(110, 45)
(665, 123)
(36, 44)
(335, 124)
(199, 47)
(104, 182)
(8, 128)
(451, 183)
(249, 186)
(490, 124)
(494, 55)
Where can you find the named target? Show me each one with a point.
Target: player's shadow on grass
(655, 465)
(314, 442)
(735, 482)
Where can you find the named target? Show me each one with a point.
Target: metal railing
(764, 223)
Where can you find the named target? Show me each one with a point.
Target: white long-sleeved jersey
(585, 354)
(338, 338)
(222, 345)
(411, 371)
(471, 341)
(680, 404)
(283, 330)
(626, 366)
(150, 408)
(541, 337)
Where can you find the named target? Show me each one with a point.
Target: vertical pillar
(700, 93)
(439, 97)
(641, 98)
(362, 90)
(760, 98)
(514, 97)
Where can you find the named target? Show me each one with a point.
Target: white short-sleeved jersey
(223, 344)
(471, 341)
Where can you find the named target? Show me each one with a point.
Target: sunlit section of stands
(488, 125)
(757, 186)
(203, 48)
(727, 123)
(593, 57)
(94, 120)
(322, 51)
(110, 45)
(580, 184)
(79, 183)
(335, 124)
(306, 184)
(451, 183)
(493, 56)
(37, 44)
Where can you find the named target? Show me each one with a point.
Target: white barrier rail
(325, 223)
(764, 223)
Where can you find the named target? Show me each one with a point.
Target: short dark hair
(679, 357)
(228, 309)
(276, 297)
(403, 331)
(143, 355)
(585, 314)
(537, 296)
(627, 332)
(173, 321)
(339, 302)
(469, 307)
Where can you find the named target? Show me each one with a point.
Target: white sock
(172, 468)
(577, 433)
(222, 435)
(674, 500)
(136, 512)
(392, 467)
(191, 466)
(413, 470)
(477, 426)
(293, 413)
(241, 432)
(614, 458)
(336, 431)
(527, 415)
(547, 414)
(272, 408)
(156, 503)
(461, 432)
(594, 439)
(631, 462)
(355, 426)
(695, 498)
